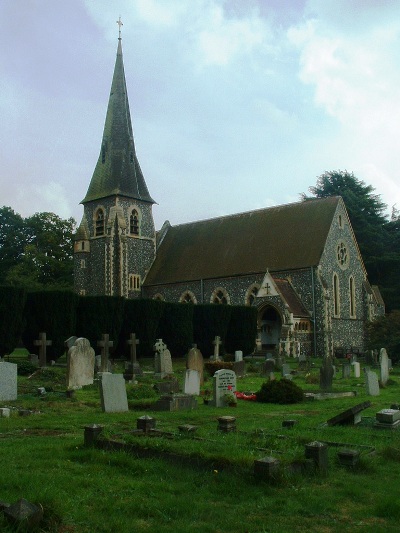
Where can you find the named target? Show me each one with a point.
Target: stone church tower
(115, 244)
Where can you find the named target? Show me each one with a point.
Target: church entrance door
(271, 325)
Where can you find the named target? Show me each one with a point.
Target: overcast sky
(236, 104)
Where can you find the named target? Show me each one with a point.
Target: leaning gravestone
(351, 416)
(80, 364)
(224, 382)
(8, 381)
(192, 383)
(371, 383)
(113, 393)
(384, 366)
(195, 361)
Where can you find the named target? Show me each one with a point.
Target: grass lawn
(201, 482)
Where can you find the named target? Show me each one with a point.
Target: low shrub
(141, 391)
(25, 368)
(283, 391)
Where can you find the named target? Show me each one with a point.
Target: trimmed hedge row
(62, 314)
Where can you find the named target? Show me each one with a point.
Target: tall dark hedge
(242, 330)
(176, 328)
(12, 303)
(210, 320)
(141, 317)
(52, 312)
(100, 314)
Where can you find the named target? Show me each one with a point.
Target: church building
(299, 264)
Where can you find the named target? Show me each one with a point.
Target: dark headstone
(167, 386)
(146, 423)
(348, 457)
(239, 368)
(226, 424)
(267, 367)
(288, 423)
(92, 433)
(326, 373)
(350, 416)
(318, 452)
(266, 468)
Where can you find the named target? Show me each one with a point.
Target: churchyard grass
(211, 488)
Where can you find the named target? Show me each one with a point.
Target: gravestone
(69, 342)
(162, 359)
(326, 373)
(346, 370)
(105, 344)
(384, 366)
(42, 342)
(8, 381)
(357, 369)
(267, 367)
(97, 364)
(167, 386)
(238, 356)
(34, 359)
(113, 393)
(217, 343)
(176, 402)
(5, 412)
(192, 383)
(195, 361)
(133, 367)
(371, 383)
(239, 367)
(285, 370)
(80, 364)
(350, 416)
(224, 381)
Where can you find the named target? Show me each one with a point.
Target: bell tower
(115, 243)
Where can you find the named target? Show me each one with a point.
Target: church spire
(117, 171)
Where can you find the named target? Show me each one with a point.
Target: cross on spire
(119, 22)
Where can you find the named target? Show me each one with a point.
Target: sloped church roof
(278, 238)
(118, 171)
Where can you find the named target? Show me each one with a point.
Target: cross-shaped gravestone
(105, 344)
(133, 342)
(42, 342)
(217, 343)
(160, 346)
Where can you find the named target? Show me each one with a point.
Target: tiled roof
(291, 298)
(279, 238)
(118, 171)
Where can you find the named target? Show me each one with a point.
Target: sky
(236, 104)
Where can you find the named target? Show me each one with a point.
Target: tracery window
(342, 255)
(99, 222)
(220, 296)
(134, 282)
(188, 297)
(251, 294)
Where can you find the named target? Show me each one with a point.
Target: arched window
(251, 294)
(188, 297)
(336, 297)
(220, 296)
(99, 222)
(158, 296)
(352, 297)
(134, 222)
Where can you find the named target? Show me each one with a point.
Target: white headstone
(192, 382)
(384, 364)
(80, 364)
(371, 383)
(4, 412)
(224, 382)
(195, 361)
(238, 356)
(8, 381)
(113, 393)
(357, 369)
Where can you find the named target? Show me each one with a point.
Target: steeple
(117, 171)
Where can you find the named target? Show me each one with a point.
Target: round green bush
(26, 368)
(283, 391)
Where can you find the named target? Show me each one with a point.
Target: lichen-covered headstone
(8, 381)
(80, 364)
(195, 361)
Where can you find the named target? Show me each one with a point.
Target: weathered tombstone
(318, 453)
(348, 457)
(371, 383)
(8, 381)
(384, 366)
(105, 344)
(34, 359)
(267, 367)
(238, 356)
(279, 361)
(226, 424)
(326, 374)
(350, 416)
(266, 468)
(97, 364)
(285, 370)
(346, 370)
(239, 367)
(224, 381)
(387, 418)
(195, 361)
(192, 382)
(162, 359)
(42, 342)
(80, 364)
(113, 393)
(133, 367)
(176, 402)
(24, 515)
(217, 343)
(357, 369)
(70, 342)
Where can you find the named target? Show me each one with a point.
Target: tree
(377, 237)
(384, 332)
(36, 252)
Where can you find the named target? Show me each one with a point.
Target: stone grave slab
(350, 416)
(192, 383)
(388, 418)
(80, 364)
(176, 402)
(8, 381)
(113, 393)
(224, 381)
